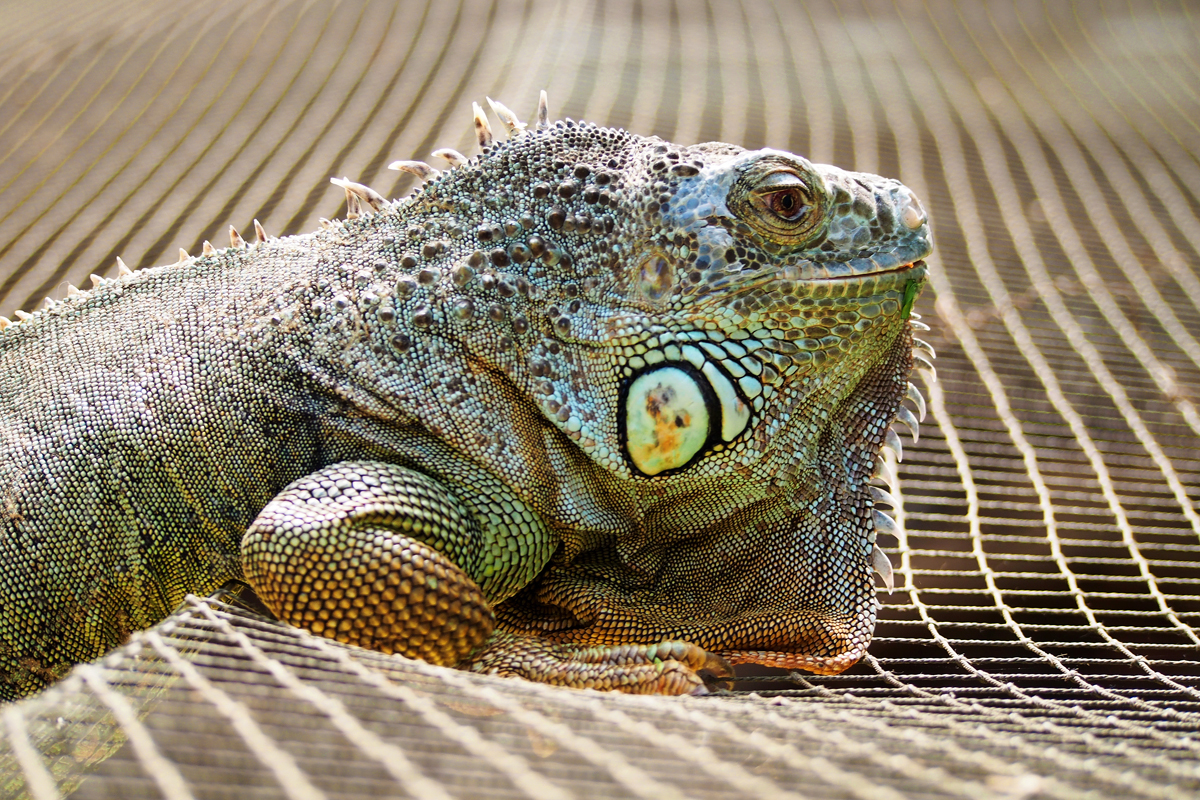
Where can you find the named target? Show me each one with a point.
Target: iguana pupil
(786, 203)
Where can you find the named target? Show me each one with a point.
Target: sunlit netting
(1042, 637)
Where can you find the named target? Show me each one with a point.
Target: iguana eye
(787, 204)
(780, 200)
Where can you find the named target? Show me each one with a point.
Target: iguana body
(586, 390)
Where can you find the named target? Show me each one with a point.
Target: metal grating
(1042, 640)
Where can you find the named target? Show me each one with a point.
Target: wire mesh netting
(1042, 637)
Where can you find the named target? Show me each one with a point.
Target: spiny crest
(923, 354)
(483, 134)
(447, 154)
(360, 199)
(75, 294)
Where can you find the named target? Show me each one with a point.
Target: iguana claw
(670, 668)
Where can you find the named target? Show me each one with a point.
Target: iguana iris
(590, 408)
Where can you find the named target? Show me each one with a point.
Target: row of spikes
(923, 355)
(359, 198)
(235, 241)
(362, 199)
(483, 134)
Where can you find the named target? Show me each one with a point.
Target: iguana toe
(667, 668)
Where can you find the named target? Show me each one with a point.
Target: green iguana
(589, 408)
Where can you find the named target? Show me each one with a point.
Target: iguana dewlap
(589, 408)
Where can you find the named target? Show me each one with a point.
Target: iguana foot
(670, 668)
(336, 553)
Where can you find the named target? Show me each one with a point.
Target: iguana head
(766, 287)
(725, 333)
(689, 312)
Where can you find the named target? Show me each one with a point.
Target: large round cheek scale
(666, 420)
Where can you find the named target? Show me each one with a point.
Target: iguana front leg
(364, 552)
(369, 554)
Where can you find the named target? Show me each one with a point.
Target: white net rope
(1042, 640)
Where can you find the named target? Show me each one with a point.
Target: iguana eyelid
(781, 179)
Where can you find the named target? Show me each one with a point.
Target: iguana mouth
(919, 263)
(857, 269)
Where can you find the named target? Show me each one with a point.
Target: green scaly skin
(592, 409)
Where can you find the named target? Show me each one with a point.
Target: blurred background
(1042, 639)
